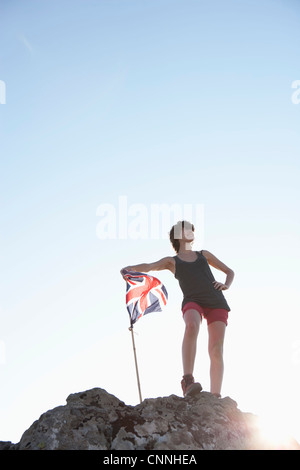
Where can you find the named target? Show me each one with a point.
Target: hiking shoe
(189, 386)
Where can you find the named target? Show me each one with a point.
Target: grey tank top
(196, 282)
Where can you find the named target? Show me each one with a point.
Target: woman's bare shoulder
(171, 263)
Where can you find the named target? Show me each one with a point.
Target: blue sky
(163, 102)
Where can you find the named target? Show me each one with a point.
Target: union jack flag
(144, 294)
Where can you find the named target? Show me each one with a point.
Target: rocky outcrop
(97, 420)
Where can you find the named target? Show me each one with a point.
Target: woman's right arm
(163, 263)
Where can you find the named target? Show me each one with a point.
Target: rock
(7, 445)
(97, 420)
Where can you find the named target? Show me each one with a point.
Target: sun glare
(276, 433)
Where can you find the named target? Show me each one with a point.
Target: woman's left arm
(216, 263)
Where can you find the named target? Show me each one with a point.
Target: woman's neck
(185, 248)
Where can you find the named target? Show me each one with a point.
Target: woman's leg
(216, 334)
(192, 320)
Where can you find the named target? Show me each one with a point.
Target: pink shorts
(211, 314)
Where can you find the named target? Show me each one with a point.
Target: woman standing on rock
(202, 297)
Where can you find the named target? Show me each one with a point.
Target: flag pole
(136, 364)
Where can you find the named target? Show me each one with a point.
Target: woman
(202, 297)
